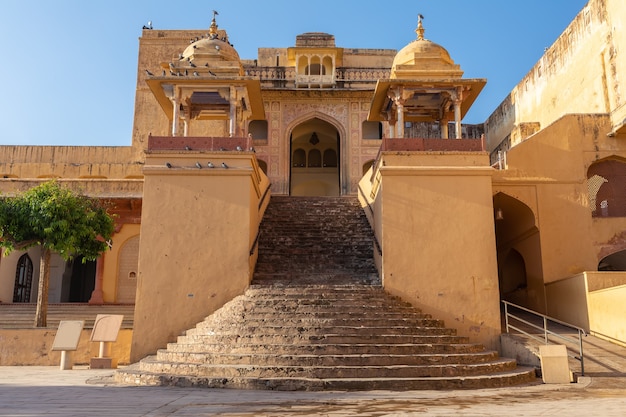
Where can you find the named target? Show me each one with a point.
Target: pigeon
(224, 165)
(210, 165)
(239, 148)
(149, 73)
(167, 164)
(198, 165)
(187, 148)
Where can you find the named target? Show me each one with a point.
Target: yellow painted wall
(195, 243)
(607, 311)
(579, 73)
(111, 260)
(548, 173)
(32, 347)
(438, 241)
(566, 300)
(591, 300)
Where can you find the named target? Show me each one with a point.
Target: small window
(299, 158)
(315, 158)
(330, 158)
(23, 280)
(372, 130)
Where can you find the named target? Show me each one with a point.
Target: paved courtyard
(48, 391)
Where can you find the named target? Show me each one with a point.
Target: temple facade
(527, 207)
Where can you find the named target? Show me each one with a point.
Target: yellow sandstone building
(529, 207)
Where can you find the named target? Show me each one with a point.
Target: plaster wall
(593, 301)
(566, 300)
(579, 73)
(548, 173)
(195, 244)
(606, 313)
(68, 162)
(20, 347)
(433, 256)
(111, 261)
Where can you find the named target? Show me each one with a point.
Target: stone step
(329, 323)
(321, 339)
(329, 348)
(313, 306)
(326, 291)
(280, 278)
(322, 372)
(377, 296)
(22, 315)
(303, 330)
(267, 359)
(495, 380)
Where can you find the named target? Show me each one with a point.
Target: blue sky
(69, 67)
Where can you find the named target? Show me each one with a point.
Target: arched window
(315, 158)
(23, 280)
(607, 193)
(330, 158)
(299, 158)
(258, 129)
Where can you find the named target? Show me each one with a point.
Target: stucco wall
(566, 300)
(439, 243)
(592, 300)
(607, 311)
(548, 173)
(112, 259)
(32, 347)
(579, 73)
(195, 243)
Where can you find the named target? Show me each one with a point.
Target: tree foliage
(57, 219)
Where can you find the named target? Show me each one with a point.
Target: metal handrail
(545, 330)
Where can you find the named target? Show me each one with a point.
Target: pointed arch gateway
(520, 266)
(314, 159)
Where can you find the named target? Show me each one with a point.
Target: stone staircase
(308, 240)
(316, 318)
(22, 315)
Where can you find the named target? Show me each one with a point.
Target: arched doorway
(613, 262)
(83, 280)
(23, 280)
(127, 271)
(314, 159)
(520, 270)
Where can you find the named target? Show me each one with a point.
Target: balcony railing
(198, 143)
(434, 145)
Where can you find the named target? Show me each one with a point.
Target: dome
(210, 49)
(214, 47)
(422, 49)
(209, 55)
(424, 59)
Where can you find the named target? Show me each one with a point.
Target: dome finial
(213, 28)
(420, 28)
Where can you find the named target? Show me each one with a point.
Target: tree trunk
(41, 316)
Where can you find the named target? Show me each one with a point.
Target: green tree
(61, 221)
